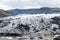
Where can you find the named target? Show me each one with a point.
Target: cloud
(5, 7)
(9, 4)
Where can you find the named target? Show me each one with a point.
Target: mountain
(4, 13)
(29, 25)
(36, 11)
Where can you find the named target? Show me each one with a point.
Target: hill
(4, 13)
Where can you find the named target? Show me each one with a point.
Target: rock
(57, 37)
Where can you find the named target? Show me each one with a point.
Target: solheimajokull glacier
(33, 25)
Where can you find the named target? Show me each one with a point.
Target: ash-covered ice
(32, 25)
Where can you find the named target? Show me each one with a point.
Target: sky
(27, 4)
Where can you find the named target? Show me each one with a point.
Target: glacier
(31, 25)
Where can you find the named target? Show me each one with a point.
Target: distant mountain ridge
(35, 11)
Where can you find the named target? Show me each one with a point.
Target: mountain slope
(4, 13)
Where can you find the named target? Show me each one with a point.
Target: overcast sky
(26, 4)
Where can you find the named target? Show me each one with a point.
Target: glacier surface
(33, 25)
